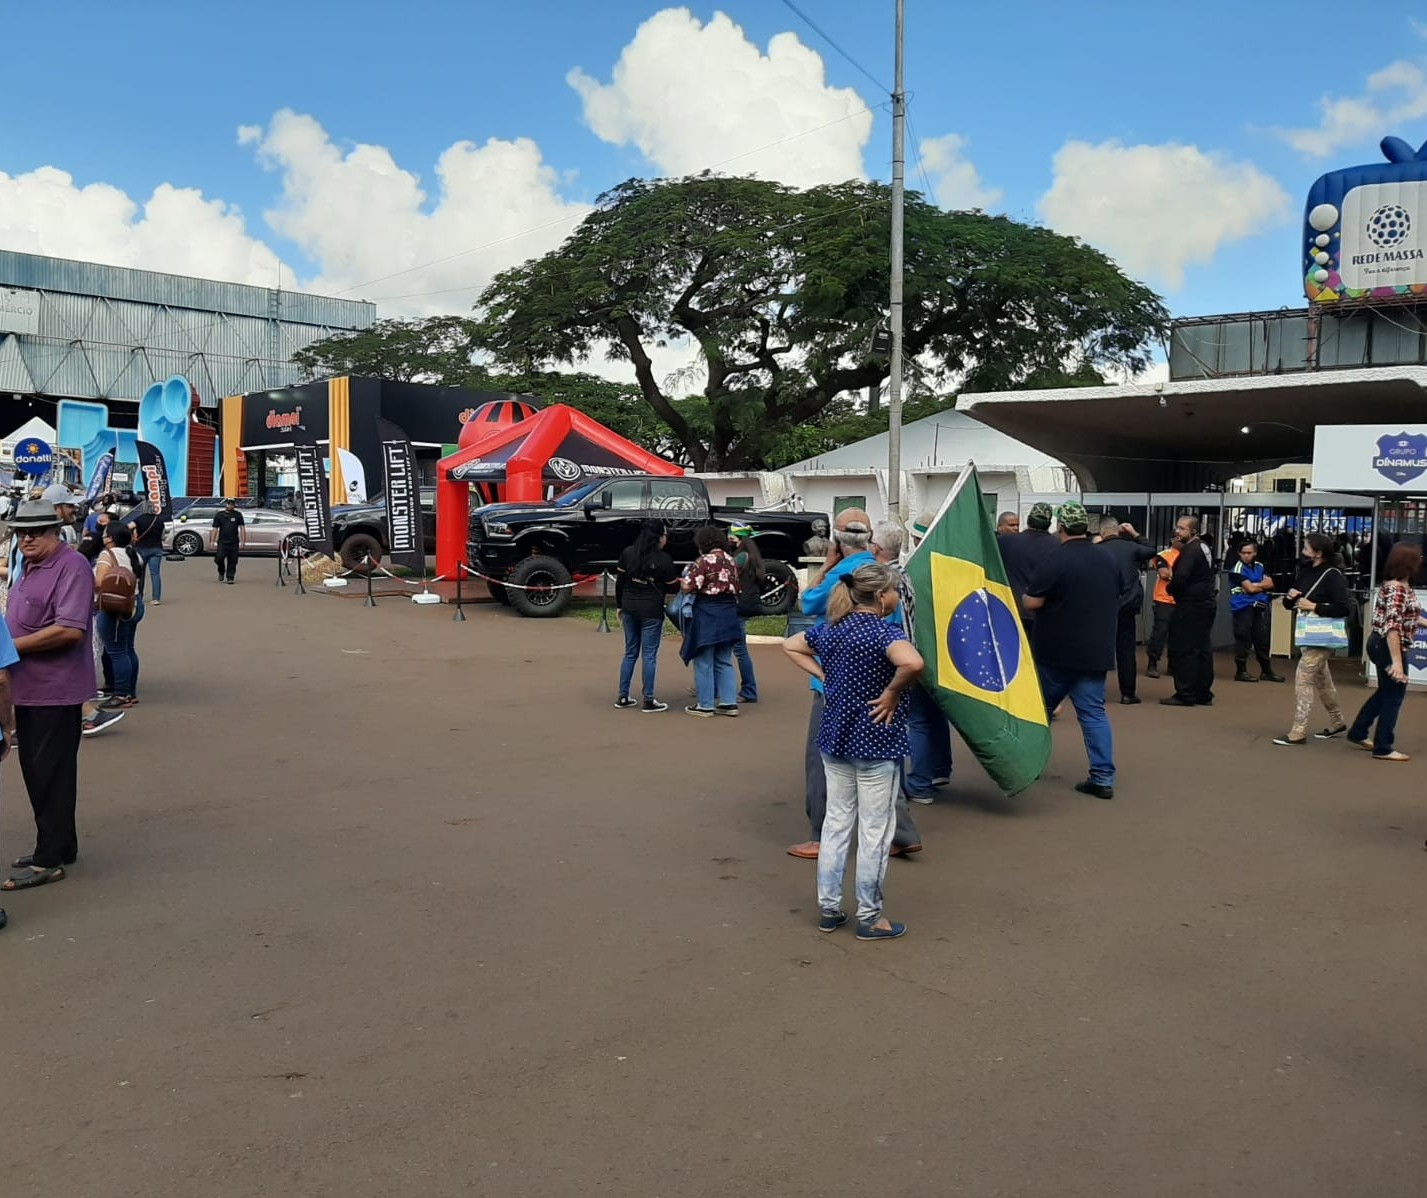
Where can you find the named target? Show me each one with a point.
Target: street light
(1272, 424)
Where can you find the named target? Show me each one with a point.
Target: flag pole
(897, 511)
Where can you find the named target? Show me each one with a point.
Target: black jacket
(1328, 587)
(1129, 557)
(1194, 579)
(1022, 554)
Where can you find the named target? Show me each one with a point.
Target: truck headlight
(494, 528)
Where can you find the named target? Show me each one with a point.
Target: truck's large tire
(357, 548)
(499, 592)
(780, 589)
(540, 587)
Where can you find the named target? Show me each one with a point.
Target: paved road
(374, 902)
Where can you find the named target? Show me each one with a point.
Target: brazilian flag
(978, 658)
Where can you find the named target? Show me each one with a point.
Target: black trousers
(1159, 634)
(1251, 633)
(225, 557)
(1191, 659)
(49, 763)
(1125, 664)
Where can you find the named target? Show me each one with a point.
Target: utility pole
(894, 387)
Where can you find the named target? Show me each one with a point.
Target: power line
(822, 33)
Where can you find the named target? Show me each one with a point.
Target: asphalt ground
(371, 901)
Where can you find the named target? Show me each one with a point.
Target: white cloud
(1156, 209)
(373, 229)
(692, 96)
(955, 181)
(1391, 96)
(176, 229)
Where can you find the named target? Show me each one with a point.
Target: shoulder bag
(1312, 631)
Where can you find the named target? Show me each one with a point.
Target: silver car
(268, 530)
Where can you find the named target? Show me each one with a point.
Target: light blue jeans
(861, 793)
(714, 679)
(153, 560)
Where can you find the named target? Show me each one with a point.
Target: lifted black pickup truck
(539, 547)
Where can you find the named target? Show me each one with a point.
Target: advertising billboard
(1365, 229)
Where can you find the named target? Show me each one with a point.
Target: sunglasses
(34, 534)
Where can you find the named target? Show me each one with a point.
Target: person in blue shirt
(866, 665)
(1251, 591)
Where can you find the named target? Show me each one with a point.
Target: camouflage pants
(1313, 679)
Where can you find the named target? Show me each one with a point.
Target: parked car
(268, 530)
(540, 547)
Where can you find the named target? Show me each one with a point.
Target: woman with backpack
(119, 606)
(752, 575)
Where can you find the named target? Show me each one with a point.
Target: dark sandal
(33, 877)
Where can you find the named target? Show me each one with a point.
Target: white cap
(57, 493)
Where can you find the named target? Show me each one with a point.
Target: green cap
(740, 531)
(1073, 517)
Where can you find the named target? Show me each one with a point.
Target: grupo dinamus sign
(1370, 459)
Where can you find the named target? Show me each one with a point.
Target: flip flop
(27, 878)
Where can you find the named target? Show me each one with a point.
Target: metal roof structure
(82, 330)
(1190, 434)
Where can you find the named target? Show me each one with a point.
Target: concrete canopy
(1186, 436)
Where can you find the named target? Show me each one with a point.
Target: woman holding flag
(866, 666)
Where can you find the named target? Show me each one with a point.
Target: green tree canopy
(781, 291)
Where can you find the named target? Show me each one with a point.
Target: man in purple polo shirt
(50, 616)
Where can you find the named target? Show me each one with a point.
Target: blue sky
(1155, 131)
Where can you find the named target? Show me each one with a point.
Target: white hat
(57, 493)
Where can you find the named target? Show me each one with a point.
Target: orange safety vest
(1161, 586)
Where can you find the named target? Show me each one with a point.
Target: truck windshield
(576, 493)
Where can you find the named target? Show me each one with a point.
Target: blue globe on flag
(984, 641)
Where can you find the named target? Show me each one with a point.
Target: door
(623, 506)
(265, 530)
(428, 518)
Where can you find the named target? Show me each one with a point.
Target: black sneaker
(1094, 788)
(1270, 676)
(1175, 701)
(4, 919)
(624, 703)
(1244, 676)
(702, 712)
(1152, 671)
(727, 709)
(1289, 742)
(655, 705)
(1330, 733)
(1130, 700)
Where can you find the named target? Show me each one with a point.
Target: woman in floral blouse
(714, 630)
(1396, 615)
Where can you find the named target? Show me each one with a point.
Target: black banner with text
(403, 500)
(312, 492)
(153, 477)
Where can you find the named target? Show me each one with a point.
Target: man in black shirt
(1023, 552)
(148, 543)
(1195, 588)
(1075, 597)
(1129, 551)
(228, 539)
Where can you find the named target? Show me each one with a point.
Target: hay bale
(317, 567)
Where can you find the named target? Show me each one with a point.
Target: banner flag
(99, 484)
(154, 476)
(405, 542)
(312, 494)
(978, 657)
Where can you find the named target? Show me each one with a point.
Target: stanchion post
(460, 615)
(604, 603)
(371, 602)
(281, 560)
(299, 553)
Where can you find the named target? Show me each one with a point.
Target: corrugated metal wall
(105, 332)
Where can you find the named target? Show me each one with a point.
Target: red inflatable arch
(518, 463)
